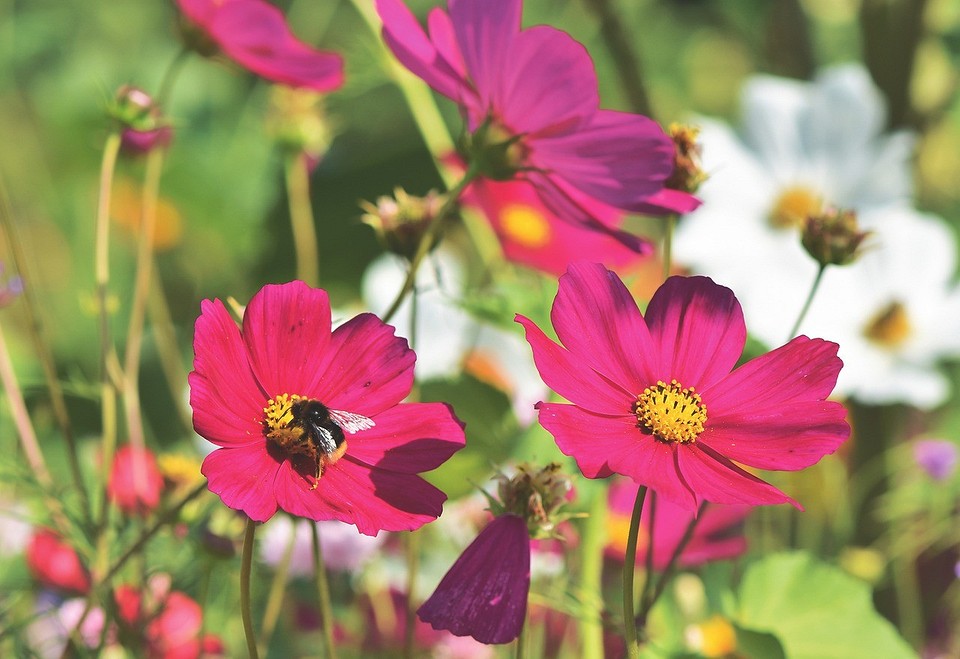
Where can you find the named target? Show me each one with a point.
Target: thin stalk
(277, 589)
(413, 573)
(323, 592)
(522, 640)
(31, 308)
(591, 570)
(671, 566)
(808, 301)
(629, 566)
(165, 335)
(246, 565)
(170, 75)
(433, 232)
(668, 245)
(648, 568)
(625, 59)
(297, 175)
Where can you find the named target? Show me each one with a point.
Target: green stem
(620, 44)
(297, 174)
(323, 592)
(430, 236)
(648, 563)
(522, 640)
(629, 566)
(168, 351)
(413, 572)
(671, 566)
(277, 588)
(808, 301)
(246, 564)
(591, 572)
(170, 76)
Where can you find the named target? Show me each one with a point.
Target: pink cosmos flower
(55, 564)
(717, 536)
(256, 36)
(169, 631)
(534, 93)
(309, 420)
(484, 594)
(655, 396)
(135, 481)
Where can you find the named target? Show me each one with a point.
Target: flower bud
(536, 495)
(142, 126)
(298, 122)
(400, 221)
(688, 174)
(833, 237)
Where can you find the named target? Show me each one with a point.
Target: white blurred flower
(342, 546)
(15, 530)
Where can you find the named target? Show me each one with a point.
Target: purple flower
(937, 457)
(484, 594)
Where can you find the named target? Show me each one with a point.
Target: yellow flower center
(794, 206)
(714, 637)
(890, 327)
(618, 532)
(525, 225)
(670, 412)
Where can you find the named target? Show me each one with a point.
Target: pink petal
(712, 477)
(445, 41)
(572, 378)
(243, 478)
(256, 35)
(286, 328)
(597, 320)
(668, 201)
(372, 499)
(226, 399)
(603, 445)
(618, 158)
(699, 328)
(485, 30)
(365, 369)
(550, 86)
(484, 594)
(408, 42)
(409, 438)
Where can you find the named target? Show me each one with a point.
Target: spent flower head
(833, 236)
(534, 494)
(688, 172)
(401, 221)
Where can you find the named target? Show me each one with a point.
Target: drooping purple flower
(484, 594)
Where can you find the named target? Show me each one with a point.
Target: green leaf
(817, 611)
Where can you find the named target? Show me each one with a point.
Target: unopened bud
(402, 220)
(536, 494)
(833, 237)
(688, 174)
(142, 125)
(298, 122)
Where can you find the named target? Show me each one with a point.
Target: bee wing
(326, 439)
(351, 423)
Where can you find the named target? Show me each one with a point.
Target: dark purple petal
(484, 594)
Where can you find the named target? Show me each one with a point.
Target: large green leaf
(817, 611)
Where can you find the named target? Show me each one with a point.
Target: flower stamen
(670, 412)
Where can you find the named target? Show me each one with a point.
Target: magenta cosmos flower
(484, 594)
(656, 397)
(255, 35)
(535, 91)
(309, 420)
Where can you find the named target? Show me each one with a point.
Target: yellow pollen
(794, 206)
(890, 327)
(715, 637)
(277, 414)
(525, 225)
(670, 412)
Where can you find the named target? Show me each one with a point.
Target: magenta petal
(445, 41)
(550, 86)
(243, 478)
(715, 478)
(227, 402)
(484, 594)
(409, 438)
(408, 42)
(668, 201)
(603, 445)
(619, 158)
(699, 328)
(563, 372)
(485, 30)
(365, 370)
(286, 327)
(372, 499)
(619, 348)
(255, 34)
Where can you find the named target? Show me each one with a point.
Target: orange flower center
(670, 412)
(525, 225)
(890, 327)
(794, 206)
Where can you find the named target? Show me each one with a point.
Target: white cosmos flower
(806, 145)
(343, 547)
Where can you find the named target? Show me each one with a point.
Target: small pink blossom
(937, 457)
(309, 420)
(533, 95)
(135, 481)
(656, 397)
(55, 564)
(255, 35)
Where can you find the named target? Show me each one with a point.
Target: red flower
(655, 398)
(254, 34)
(135, 481)
(484, 594)
(717, 536)
(55, 564)
(309, 421)
(171, 631)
